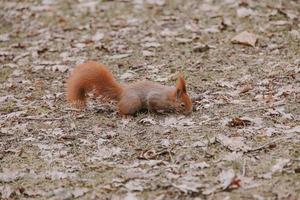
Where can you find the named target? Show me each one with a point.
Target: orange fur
(181, 89)
(131, 98)
(92, 76)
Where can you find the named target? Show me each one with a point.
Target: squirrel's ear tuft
(180, 87)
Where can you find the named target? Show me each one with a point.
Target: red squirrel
(132, 97)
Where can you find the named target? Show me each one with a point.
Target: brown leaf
(246, 89)
(225, 23)
(201, 48)
(238, 122)
(183, 40)
(245, 38)
(148, 154)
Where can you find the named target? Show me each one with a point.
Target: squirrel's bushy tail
(92, 76)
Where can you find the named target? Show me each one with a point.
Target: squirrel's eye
(182, 105)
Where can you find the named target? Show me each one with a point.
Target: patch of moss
(8, 107)
(4, 74)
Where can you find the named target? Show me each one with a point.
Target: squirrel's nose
(188, 111)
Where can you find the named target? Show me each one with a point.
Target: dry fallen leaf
(9, 175)
(188, 183)
(78, 192)
(179, 122)
(295, 129)
(61, 193)
(165, 142)
(168, 33)
(278, 167)
(57, 175)
(119, 56)
(233, 143)
(228, 179)
(232, 156)
(246, 89)
(200, 144)
(148, 121)
(199, 165)
(131, 196)
(183, 40)
(148, 53)
(97, 37)
(151, 45)
(6, 191)
(148, 154)
(280, 164)
(212, 29)
(135, 185)
(244, 12)
(127, 75)
(201, 48)
(281, 23)
(239, 122)
(105, 153)
(245, 38)
(4, 37)
(207, 7)
(156, 2)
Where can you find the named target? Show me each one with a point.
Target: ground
(241, 60)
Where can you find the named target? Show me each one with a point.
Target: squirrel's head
(183, 101)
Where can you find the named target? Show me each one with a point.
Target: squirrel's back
(145, 88)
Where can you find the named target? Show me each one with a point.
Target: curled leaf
(245, 38)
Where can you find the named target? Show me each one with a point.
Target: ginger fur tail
(91, 76)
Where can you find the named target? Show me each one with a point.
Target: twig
(244, 167)
(268, 143)
(244, 112)
(42, 118)
(72, 109)
(197, 98)
(85, 130)
(171, 157)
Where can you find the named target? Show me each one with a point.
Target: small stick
(244, 167)
(73, 109)
(244, 112)
(171, 157)
(268, 143)
(197, 98)
(41, 118)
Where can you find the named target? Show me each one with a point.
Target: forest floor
(241, 59)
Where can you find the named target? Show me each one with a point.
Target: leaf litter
(241, 141)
